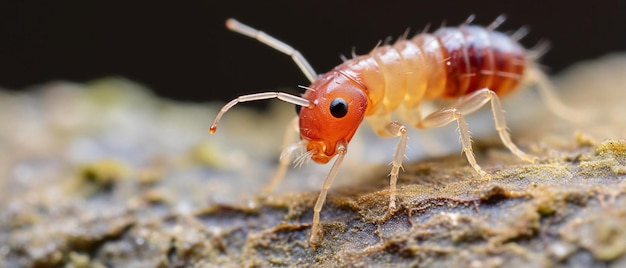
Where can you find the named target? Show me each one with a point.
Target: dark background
(182, 50)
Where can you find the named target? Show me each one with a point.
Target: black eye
(298, 108)
(338, 108)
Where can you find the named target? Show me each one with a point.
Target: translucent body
(449, 63)
(470, 64)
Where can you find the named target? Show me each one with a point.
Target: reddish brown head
(339, 107)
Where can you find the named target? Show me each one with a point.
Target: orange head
(339, 104)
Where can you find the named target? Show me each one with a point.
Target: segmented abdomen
(478, 59)
(449, 63)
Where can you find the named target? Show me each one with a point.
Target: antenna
(264, 38)
(261, 96)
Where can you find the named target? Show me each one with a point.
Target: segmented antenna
(261, 96)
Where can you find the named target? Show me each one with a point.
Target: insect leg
(384, 127)
(396, 129)
(466, 106)
(264, 38)
(288, 139)
(548, 94)
(446, 116)
(314, 239)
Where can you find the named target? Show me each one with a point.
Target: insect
(468, 64)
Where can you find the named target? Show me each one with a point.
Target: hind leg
(465, 106)
(548, 94)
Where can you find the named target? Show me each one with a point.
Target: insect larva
(470, 64)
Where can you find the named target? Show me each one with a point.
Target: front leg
(314, 240)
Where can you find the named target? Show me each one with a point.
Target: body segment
(449, 63)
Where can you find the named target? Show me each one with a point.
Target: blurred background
(182, 51)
